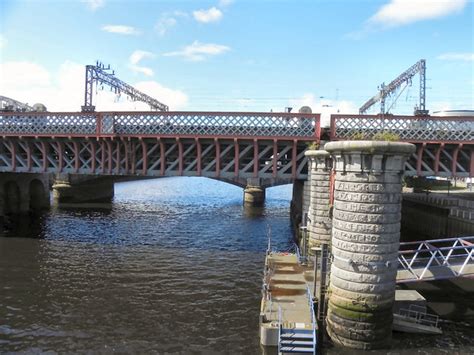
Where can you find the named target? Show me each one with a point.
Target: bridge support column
(22, 195)
(365, 241)
(319, 219)
(69, 188)
(254, 196)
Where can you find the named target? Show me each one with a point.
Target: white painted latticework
(407, 128)
(436, 259)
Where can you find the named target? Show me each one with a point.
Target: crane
(403, 78)
(98, 73)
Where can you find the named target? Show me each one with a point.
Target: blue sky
(238, 55)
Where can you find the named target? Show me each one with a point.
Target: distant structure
(98, 74)
(404, 78)
(8, 104)
(305, 109)
(445, 113)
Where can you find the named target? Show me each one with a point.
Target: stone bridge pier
(22, 195)
(73, 188)
(365, 240)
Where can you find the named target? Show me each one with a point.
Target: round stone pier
(254, 196)
(319, 224)
(365, 241)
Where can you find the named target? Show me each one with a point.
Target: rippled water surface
(171, 266)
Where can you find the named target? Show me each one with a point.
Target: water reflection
(172, 266)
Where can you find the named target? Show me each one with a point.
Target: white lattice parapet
(407, 128)
(191, 124)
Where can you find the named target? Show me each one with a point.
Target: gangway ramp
(437, 259)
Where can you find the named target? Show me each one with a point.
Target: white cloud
(468, 57)
(63, 90)
(168, 20)
(136, 57)
(198, 51)
(94, 4)
(206, 16)
(22, 75)
(402, 12)
(121, 29)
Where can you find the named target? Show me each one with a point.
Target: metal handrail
(279, 328)
(313, 320)
(428, 254)
(420, 315)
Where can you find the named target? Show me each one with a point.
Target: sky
(239, 55)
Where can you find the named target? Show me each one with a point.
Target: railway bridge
(243, 148)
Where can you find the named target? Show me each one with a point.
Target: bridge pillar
(319, 218)
(365, 241)
(71, 188)
(22, 194)
(254, 196)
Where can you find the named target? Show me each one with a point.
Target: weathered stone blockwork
(319, 219)
(365, 241)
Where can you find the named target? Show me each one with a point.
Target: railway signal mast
(99, 74)
(403, 79)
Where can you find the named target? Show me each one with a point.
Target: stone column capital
(370, 156)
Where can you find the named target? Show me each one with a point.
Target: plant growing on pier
(386, 136)
(312, 146)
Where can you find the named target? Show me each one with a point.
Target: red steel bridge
(229, 146)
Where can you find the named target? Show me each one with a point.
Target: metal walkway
(436, 259)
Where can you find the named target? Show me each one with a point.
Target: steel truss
(274, 161)
(445, 145)
(436, 259)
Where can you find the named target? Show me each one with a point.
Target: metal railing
(419, 315)
(209, 124)
(313, 320)
(407, 128)
(280, 326)
(443, 258)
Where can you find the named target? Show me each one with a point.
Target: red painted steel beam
(133, 152)
(293, 159)
(76, 156)
(60, 156)
(471, 170)
(218, 157)
(275, 158)
(236, 157)
(93, 155)
(145, 157)
(180, 157)
(162, 158)
(419, 158)
(437, 156)
(102, 143)
(13, 152)
(255, 158)
(109, 156)
(29, 161)
(199, 157)
(455, 159)
(45, 156)
(118, 163)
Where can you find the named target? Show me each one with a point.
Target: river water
(171, 266)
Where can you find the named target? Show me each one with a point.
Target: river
(171, 266)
